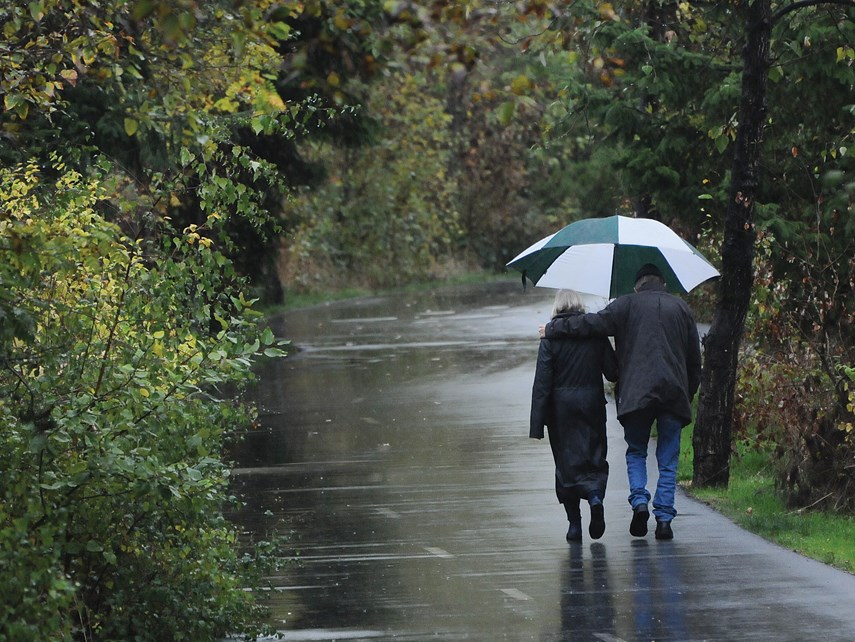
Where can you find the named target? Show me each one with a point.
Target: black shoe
(638, 525)
(574, 533)
(663, 530)
(598, 523)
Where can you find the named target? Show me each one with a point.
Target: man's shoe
(598, 523)
(638, 525)
(663, 530)
(574, 533)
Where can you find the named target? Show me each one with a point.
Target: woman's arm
(610, 364)
(541, 391)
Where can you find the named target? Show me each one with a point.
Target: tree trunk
(712, 436)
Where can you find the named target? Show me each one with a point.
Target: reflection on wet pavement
(394, 453)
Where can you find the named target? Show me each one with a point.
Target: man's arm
(583, 326)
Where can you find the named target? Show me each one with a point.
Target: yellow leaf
(144, 392)
(131, 126)
(607, 12)
(275, 101)
(70, 76)
(226, 105)
(520, 85)
(340, 21)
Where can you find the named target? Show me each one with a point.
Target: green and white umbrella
(601, 256)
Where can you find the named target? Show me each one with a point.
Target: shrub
(792, 391)
(116, 355)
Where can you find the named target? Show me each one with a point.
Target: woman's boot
(574, 516)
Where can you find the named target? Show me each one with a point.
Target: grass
(295, 300)
(752, 502)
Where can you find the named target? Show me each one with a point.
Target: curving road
(393, 449)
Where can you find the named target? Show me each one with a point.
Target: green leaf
(279, 30)
(238, 43)
(186, 157)
(776, 73)
(142, 9)
(505, 112)
(267, 337)
(37, 10)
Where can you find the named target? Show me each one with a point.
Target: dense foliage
(114, 417)
(794, 391)
(164, 160)
(125, 336)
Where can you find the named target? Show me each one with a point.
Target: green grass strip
(752, 501)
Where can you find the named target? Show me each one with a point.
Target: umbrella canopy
(601, 256)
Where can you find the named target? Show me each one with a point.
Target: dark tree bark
(712, 435)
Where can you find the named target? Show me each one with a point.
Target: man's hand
(542, 330)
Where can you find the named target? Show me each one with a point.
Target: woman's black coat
(568, 398)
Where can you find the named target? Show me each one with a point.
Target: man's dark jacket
(657, 345)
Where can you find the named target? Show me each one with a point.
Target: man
(659, 359)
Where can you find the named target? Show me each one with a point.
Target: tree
(712, 436)
(177, 94)
(125, 338)
(721, 347)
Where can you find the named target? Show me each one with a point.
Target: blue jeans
(636, 432)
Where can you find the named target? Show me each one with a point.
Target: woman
(568, 398)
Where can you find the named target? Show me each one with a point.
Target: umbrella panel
(536, 264)
(584, 268)
(602, 257)
(609, 271)
(588, 231)
(628, 259)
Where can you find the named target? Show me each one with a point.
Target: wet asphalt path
(394, 451)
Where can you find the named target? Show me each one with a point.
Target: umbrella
(601, 256)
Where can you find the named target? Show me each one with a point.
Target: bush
(792, 393)
(116, 357)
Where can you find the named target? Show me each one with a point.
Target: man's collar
(652, 287)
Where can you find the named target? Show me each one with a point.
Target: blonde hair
(567, 301)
